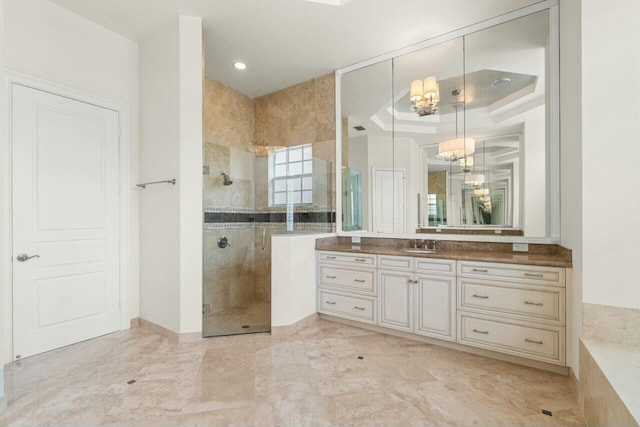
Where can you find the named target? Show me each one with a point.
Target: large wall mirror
(456, 136)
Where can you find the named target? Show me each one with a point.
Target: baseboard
(134, 323)
(168, 333)
(160, 330)
(557, 369)
(286, 330)
(575, 383)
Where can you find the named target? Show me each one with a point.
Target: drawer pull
(359, 308)
(331, 302)
(331, 257)
(533, 275)
(480, 296)
(480, 270)
(534, 303)
(360, 260)
(330, 277)
(533, 341)
(359, 280)
(481, 332)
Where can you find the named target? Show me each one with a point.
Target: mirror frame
(553, 156)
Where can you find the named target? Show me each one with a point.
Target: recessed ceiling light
(500, 83)
(238, 65)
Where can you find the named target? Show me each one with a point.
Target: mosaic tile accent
(270, 225)
(302, 214)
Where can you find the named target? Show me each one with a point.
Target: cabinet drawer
(435, 266)
(541, 303)
(527, 340)
(347, 258)
(354, 280)
(353, 307)
(552, 276)
(395, 262)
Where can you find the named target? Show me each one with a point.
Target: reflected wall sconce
(425, 95)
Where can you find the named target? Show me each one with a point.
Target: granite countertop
(541, 255)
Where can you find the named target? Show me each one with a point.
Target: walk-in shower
(275, 190)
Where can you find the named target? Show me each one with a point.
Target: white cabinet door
(395, 299)
(435, 306)
(66, 217)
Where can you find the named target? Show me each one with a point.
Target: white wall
(46, 41)
(4, 277)
(159, 160)
(190, 181)
(406, 156)
(571, 165)
(535, 177)
(611, 152)
(293, 277)
(171, 147)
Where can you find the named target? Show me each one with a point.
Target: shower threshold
(250, 319)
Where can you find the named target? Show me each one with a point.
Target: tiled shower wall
(240, 273)
(229, 133)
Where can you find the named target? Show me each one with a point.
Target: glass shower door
(237, 250)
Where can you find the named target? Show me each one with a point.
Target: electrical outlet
(520, 247)
(356, 240)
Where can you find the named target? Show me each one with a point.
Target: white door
(395, 299)
(65, 216)
(436, 306)
(388, 201)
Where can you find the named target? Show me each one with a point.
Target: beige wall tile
(228, 116)
(616, 325)
(600, 403)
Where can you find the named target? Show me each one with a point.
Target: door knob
(25, 257)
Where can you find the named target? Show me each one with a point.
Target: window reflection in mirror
(461, 140)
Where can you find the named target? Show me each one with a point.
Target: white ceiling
(285, 42)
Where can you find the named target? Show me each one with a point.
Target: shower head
(225, 179)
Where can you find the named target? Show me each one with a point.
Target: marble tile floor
(254, 317)
(327, 374)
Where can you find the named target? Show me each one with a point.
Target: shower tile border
(322, 226)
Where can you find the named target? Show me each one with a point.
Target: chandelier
(456, 148)
(425, 95)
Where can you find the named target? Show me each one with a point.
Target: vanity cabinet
(508, 308)
(347, 286)
(435, 306)
(514, 309)
(418, 295)
(396, 299)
